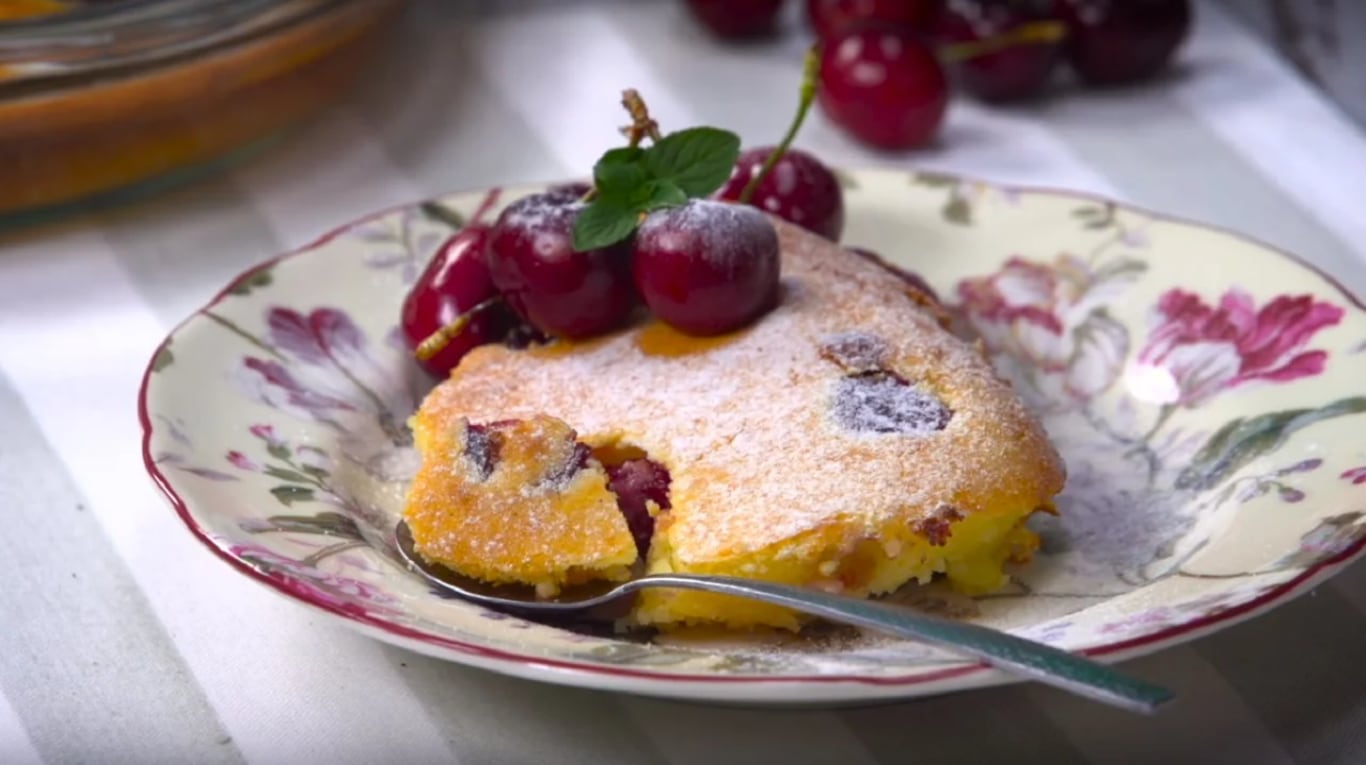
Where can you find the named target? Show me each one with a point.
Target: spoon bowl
(1026, 659)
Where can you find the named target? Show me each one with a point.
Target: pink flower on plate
(1197, 350)
(243, 462)
(266, 433)
(1018, 310)
(1052, 316)
(1356, 475)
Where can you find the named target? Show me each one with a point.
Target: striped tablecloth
(121, 640)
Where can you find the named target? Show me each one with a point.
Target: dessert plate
(1203, 389)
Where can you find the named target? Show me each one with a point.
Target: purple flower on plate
(309, 583)
(324, 335)
(273, 384)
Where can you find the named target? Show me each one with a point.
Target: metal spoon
(1027, 659)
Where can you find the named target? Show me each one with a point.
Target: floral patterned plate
(1204, 390)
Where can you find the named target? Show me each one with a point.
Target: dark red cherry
(637, 483)
(910, 278)
(570, 191)
(1118, 41)
(831, 17)
(531, 260)
(884, 85)
(737, 18)
(1015, 73)
(800, 189)
(455, 281)
(707, 267)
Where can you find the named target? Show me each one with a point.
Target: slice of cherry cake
(845, 441)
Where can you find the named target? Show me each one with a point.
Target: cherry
(636, 483)
(531, 260)
(737, 18)
(454, 282)
(831, 17)
(799, 188)
(884, 85)
(570, 191)
(707, 267)
(910, 278)
(1016, 72)
(1118, 41)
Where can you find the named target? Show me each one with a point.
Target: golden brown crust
(516, 503)
(748, 425)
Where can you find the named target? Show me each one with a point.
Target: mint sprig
(630, 181)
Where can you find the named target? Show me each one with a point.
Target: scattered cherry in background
(531, 260)
(831, 17)
(707, 267)
(884, 85)
(1111, 42)
(799, 189)
(733, 19)
(1018, 72)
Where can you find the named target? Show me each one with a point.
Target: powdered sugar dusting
(744, 423)
(540, 211)
(883, 404)
(723, 230)
(856, 352)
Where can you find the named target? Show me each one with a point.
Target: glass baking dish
(106, 97)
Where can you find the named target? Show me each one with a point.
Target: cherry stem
(436, 341)
(486, 206)
(1033, 33)
(641, 127)
(811, 71)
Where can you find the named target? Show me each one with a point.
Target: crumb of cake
(939, 525)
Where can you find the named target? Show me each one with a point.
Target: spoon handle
(1070, 672)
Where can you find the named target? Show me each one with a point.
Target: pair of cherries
(706, 267)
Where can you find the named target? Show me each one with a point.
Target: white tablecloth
(122, 640)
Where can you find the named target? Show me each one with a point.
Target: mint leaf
(614, 215)
(697, 160)
(608, 220)
(659, 194)
(619, 170)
